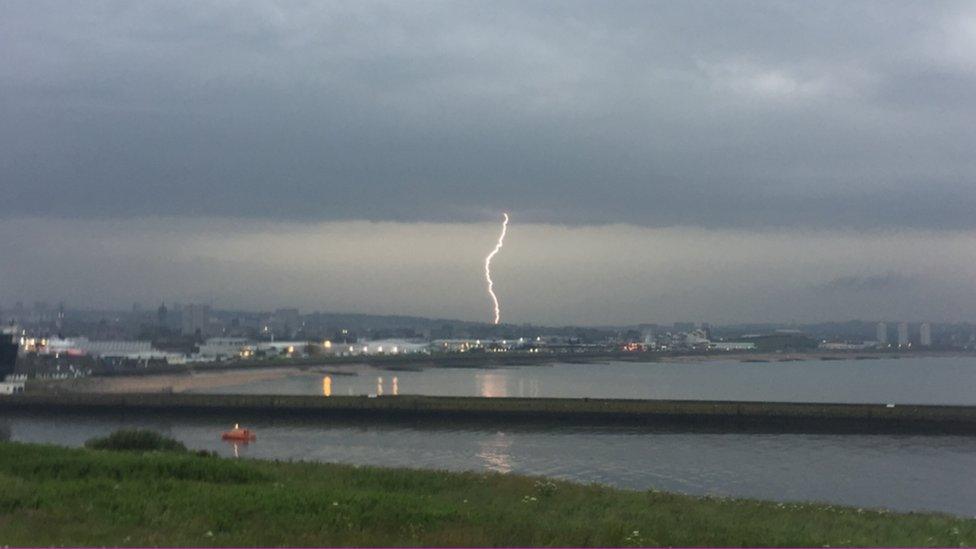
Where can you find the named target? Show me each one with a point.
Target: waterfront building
(196, 319)
(455, 345)
(102, 349)
(118, 349)
(11, 387)
(696, 337)
(732, 346)
(925, 334)
(216, 348)
(162, 315)
(8, 352)
(392, 347)
(648, 333)
(59, 325)
(846, 346)
(882, 335)
(286, 348)
(286, 321)
(139, 350)
(903, 335)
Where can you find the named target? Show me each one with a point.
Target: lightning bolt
(491, 285)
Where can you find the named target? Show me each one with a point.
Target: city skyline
(39, 313)
(610, 275)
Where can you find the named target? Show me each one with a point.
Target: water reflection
(492, 384)
(379, 386)
(238, 446)
(327, 386)
(902, 381)
(494, 453)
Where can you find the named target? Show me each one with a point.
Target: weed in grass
(140, 440)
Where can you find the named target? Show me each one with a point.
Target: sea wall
(668, 414)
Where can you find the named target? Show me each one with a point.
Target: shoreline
(186, 382)
(230, 374)
(811, 356)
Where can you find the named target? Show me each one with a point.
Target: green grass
(58, 496)
(136, 439)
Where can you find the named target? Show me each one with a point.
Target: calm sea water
(900, 381)
(902, 472)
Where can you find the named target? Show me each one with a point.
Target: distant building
(11, 387)
(286, 321)
(121, 349)
(903, 334)
(112, 349)
(196, 318)
(42, 312)
(649, 334)
(696, 337)
(732, 346)
(882, 334)
(457, 345)
(845, 346)
(59, 325)
(393, 347)
(217, 348)
(925, 335)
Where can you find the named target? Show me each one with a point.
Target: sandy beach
(180, 383)
(197, 380)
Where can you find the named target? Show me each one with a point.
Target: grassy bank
(58, 496)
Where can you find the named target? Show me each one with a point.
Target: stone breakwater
(717, 416)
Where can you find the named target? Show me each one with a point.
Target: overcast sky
(821, 135)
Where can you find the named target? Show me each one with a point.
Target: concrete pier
(665, 414)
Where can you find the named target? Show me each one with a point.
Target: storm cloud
(555, 275)
(668, 161)
(713, 114)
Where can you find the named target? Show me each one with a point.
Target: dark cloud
(548, 274)
(883, 282)
(717, 114)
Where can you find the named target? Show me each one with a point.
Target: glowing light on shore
(491, 285)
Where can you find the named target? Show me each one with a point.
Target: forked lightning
(491, 285)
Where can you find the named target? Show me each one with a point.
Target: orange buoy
(244, 435)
